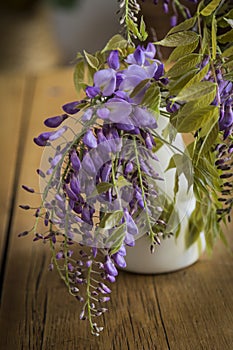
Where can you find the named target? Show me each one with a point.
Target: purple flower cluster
(98, 186)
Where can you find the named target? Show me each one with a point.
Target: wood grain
(12, 92)
(190, 309)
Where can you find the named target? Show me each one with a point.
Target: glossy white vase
(172, 254)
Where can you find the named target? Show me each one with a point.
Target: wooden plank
(36, 311)
(197, 303)
(11, 107)
(190, 309)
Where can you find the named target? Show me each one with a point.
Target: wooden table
(188, 309)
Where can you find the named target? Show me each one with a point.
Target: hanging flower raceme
(97, 186)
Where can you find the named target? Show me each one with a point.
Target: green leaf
(209, 9)
(152, 97)
(91, 60)
(132, 26)
(184, 65)
(139, 88)
(186, 25)
(214, 37)
(196, 119)
(179, 39)
(103, 187)
(228, 52)
(196, 91)
(183, 165)
(116, 42)
(197, 77)
(143, 32)
(79, 75)
(210, 134)
(116, 235)
(195, 226)
(226, 37)
(122, 182)
(182, 51)
(178, 84)
(111, 219)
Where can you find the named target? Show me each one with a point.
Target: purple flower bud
(76, 164)
(89, 139)
(106, 172)
(56, 160)
(25, 207)
(28, 189)
(55, 135)
(165, 7)
(113, 60)
(92, 91)
(22, 234)
(51, 267)
(139, 56)
(173, 21)
(71, 107)
(75, 185)
(110, 278)
(88, 263)
(104, 299)
(59, 255)
(54, 122)
(119, 260)
(70, 267)
(40, 173)
(128, 168)
(110, 267)
(39, 141)
(104, 287)
(70, 193)
(86, 215)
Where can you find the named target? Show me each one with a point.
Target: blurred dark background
(42, 34)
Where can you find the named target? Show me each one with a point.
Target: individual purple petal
(165, 7)
(70, 193)
(150, 51)
(87, 115)
(128, 167)
(139, 56)
(130, 224)
(119, 260)
(105, 79)
(75, 185)
(86, 216)
(119, 111)
(54, 122)
(143, 118)
(58, 133)
(104, 287)
(159, 72)
(110, 267)
(103, 113)
(71, 107)
(122, 251)
(92, 91)
(110, 278)
(106, 172)
(113, 60)
(88, 165)
(89, 139)
(129, 240)
(75, 161)
(56, 160)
